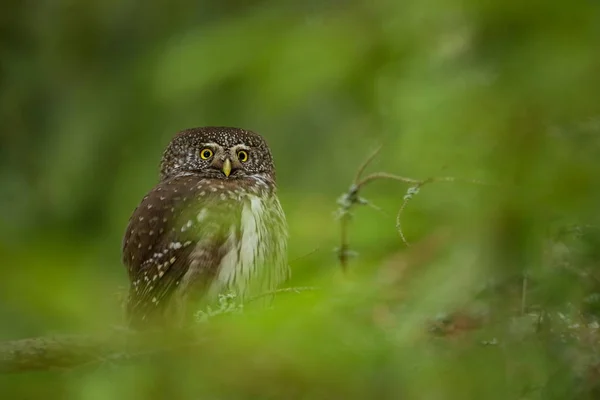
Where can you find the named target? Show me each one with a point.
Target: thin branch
(524, 294)
(352, 198)
(297, 290)
(411, 192)
(377, 208)
(345, 202)
(385, 175)
(306, 255)
(365, 164)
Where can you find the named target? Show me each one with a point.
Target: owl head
(217, 153)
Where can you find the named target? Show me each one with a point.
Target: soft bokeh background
(506, 92)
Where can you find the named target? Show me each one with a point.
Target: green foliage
(497, 294)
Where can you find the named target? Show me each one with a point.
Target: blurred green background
(506, 92)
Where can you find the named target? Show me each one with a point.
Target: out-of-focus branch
(58, 352)
(65, 352)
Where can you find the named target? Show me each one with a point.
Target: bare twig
(346, 202)
(384, 175)
(303, 256)
(365, 164)
(283, 290)
(524, 295)
(352, 197)
(412, 191)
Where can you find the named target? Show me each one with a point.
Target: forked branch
(352, 198)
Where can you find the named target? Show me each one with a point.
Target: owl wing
(181, 223)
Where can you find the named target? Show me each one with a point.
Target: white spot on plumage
(187, 226)
(202, 215)
(175, 245)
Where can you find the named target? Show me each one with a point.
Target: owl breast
(253, 260)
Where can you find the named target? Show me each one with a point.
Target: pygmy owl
(213, 224)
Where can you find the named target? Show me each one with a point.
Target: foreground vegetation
(460, 262)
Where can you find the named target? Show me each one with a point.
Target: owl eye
(242, 155)
(206, 154)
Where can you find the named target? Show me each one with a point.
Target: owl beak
(227, 167)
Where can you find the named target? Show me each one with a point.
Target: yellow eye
(242, 155)
(206, 154)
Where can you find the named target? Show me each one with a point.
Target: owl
(212, 225)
